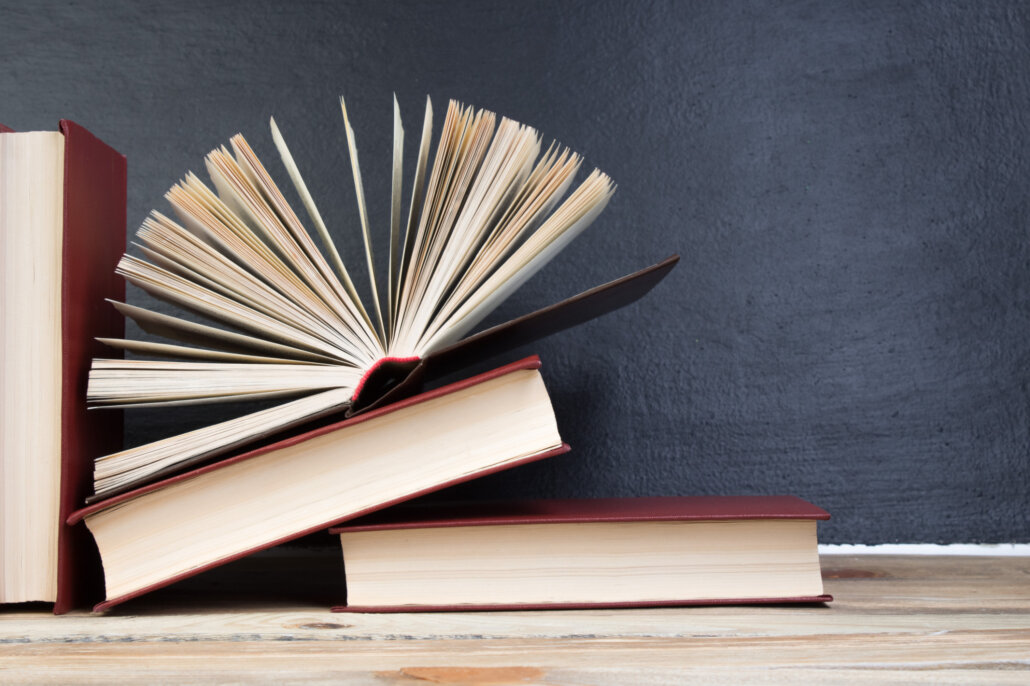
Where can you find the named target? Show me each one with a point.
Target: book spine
(93, 242)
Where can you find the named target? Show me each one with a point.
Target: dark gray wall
(846, 183)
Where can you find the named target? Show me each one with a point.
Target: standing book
(183, 525)
(570, 554)
(62, 231)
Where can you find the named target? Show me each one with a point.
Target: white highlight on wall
(983, 549)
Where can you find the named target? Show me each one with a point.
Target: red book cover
(691, 508)
(683, 508)
(527, 363)
(94, 240)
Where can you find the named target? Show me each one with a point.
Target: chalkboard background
(846, 183)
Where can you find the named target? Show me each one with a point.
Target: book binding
(95, 179)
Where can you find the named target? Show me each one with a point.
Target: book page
(359, 191)
(211, 337)
(316, 217)
(31, 229)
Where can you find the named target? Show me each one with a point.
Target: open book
(488, 213)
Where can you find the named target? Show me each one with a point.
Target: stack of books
(355, 431)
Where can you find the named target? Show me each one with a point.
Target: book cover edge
(504, 337)
(519, 607)
(778, 507)
(95, 195)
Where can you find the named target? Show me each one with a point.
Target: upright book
(567, 554)
(183, 525)
(487, 214)
(62, 231)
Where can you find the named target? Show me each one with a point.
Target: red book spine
(93, 242)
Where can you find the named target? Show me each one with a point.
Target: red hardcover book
(92, 184)
(186, 524)
(574, 554)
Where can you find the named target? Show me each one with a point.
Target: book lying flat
(568, 554)
(491, 210)
(183, 525)
(62, 231)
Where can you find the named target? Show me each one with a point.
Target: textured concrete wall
(846, 183)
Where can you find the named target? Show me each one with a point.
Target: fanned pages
(395, 206)
(286, 317)
(359, 191)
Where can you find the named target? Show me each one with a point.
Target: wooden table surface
(894, 620)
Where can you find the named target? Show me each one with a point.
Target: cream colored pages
(596, 562)
(316, 218)
(395, 215)
(359, 191)
(31, 223)
(181, 380)
(118, 471)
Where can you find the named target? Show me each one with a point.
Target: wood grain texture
(942, 620)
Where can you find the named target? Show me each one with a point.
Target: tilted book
(287, 320)
(574, 554)
(62, 231)
(186, 524)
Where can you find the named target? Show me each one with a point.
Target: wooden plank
(895, 620)
(541, 659)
